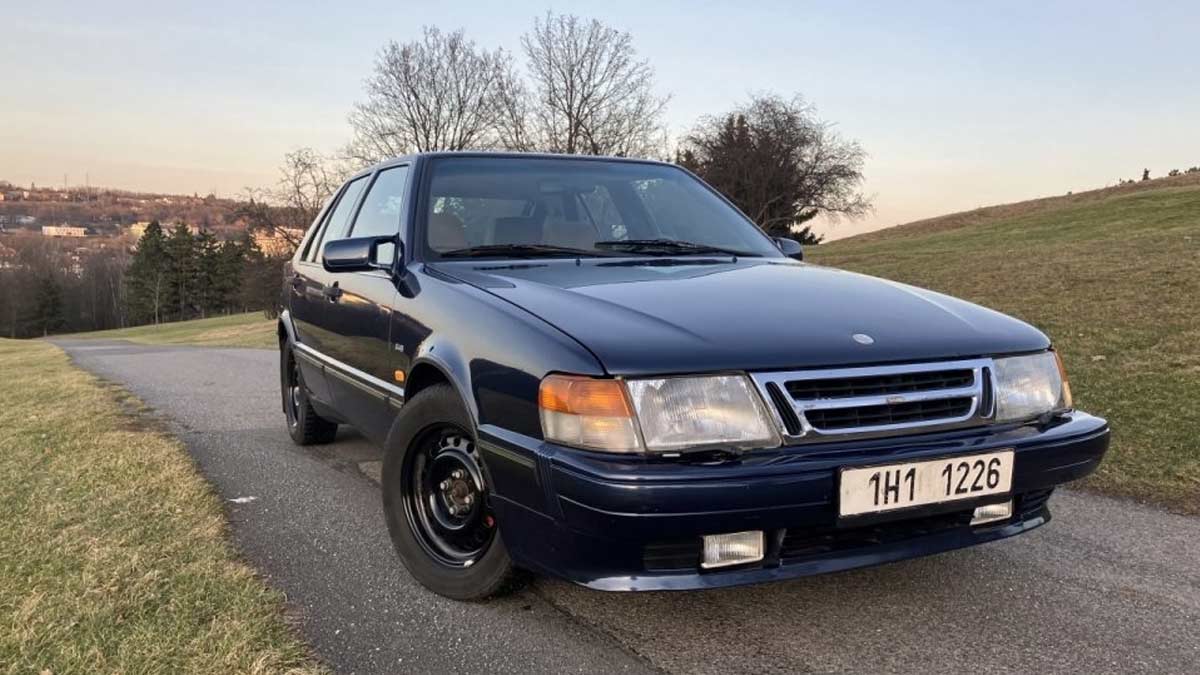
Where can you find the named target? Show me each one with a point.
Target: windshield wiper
(670, 246)
(520, 251)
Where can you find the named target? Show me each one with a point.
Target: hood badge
(863, 339)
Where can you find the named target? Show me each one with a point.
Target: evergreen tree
(181, 271)
(208, 272)
(256, 284)
(47, 315)
(231, 262)
(146, 280)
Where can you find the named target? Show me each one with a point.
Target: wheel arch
(430, 369)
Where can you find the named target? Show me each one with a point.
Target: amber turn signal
(1067, 401)
(587, 412)
(584, 396)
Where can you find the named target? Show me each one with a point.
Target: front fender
(494, 353)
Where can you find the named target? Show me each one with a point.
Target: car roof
(406, 159)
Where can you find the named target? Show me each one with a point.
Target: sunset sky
(959, 104)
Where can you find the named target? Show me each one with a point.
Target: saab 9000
(600, 369)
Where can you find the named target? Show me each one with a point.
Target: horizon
(958, 107)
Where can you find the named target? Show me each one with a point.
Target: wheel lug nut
(469, 499)
(445, 485)
(453, 510)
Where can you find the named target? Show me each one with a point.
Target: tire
(431, 466)
(305, 426)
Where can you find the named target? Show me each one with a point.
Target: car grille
(681, 554)
(898, 413)
(805, 544)
(833, 404)
(879, 385)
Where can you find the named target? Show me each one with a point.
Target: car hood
(681, 315)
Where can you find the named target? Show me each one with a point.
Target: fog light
(736, 548)
(992, 512)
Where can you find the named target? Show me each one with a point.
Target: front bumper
(628, 523)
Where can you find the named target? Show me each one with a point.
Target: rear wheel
(305, 426)
(436, 499)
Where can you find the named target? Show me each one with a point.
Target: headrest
(446, 232)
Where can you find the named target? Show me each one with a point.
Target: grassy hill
(236, 330)
(1113, 276)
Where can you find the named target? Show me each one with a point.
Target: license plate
(876, 489)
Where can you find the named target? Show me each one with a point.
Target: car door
(309, 288)
(361, 375)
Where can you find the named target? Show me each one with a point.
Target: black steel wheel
(305, 426)
(446, 502)
(436, 500)
(291, 394)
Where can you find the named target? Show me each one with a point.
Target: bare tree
(512, 128)
(780, 164)
(307, 179)
(436, 93)
(591, 95)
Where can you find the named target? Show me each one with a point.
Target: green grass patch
(236, 330)
(1113, 277)
(113, 550)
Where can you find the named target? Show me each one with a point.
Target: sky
(958, 104)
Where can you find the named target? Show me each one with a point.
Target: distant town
(91, 219)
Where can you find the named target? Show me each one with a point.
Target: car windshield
(555, 207)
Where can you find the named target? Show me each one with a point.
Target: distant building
(64, 231)
(137, 229)
(280, 242)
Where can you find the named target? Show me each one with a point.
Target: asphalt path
(1107, 586)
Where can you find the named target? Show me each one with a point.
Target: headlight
(683, 412)
(672, 414)
(1028, 386)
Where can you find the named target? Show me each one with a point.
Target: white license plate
(876, 489)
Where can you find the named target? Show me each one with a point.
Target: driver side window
(339, 218)
(383, 207)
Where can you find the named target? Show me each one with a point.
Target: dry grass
(113, 554)
(238, 330)
(1113, 276)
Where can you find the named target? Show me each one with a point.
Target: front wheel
(436, 499)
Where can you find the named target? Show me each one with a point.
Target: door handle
(297, 281)
(333, 292)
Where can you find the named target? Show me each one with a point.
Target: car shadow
(816, 623)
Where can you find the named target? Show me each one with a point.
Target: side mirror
(790, 247)
(362, 254)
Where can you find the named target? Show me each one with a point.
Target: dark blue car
(600, 369)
